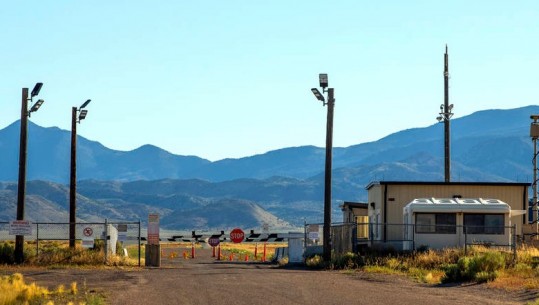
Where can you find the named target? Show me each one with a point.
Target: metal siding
(404, 194)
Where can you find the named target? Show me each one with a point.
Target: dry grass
(13, 290)
(428, 266)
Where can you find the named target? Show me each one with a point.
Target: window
(484, 223)
(440, 223)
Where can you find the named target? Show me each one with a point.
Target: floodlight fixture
(36, 89)
(317, 94)
(36, 106)
(439, 119)
(450, 107)
(323, 77)
(85, 104)
(534, 116)
(83, 114)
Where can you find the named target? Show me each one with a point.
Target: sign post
(153, 249)
(237, 235)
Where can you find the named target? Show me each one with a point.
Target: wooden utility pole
(21, 186)
(73, 179)
(327, 183)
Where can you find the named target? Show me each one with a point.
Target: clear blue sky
(227, 79)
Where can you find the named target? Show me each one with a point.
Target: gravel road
(206, 281)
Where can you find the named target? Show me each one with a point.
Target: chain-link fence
(353, 237)
(109, 234)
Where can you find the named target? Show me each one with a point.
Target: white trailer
(439, 223)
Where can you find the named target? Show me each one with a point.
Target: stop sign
(237, 235)
(214, 241)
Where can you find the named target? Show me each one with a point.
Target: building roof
(354, 205)
(373, 183)
(457, 205)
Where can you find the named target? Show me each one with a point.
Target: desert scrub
(482, 267)
(347, 261)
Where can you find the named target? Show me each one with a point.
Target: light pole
(445, 115)
(534, 134)
(23, 152)
(323, 78)
(73, 169)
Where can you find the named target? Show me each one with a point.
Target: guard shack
(454, 222)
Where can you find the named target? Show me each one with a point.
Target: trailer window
(484, 223)
(439, 223)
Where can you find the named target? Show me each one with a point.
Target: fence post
(106, 241)
(37, 240)
(139, 242)
(304, 235)
(465, 240)
(413, 236)
(514, 242)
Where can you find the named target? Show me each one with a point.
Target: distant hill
(282, 187)
(493, 142)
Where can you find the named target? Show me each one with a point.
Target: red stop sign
(237, 235)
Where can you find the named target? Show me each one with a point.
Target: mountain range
(281, 187)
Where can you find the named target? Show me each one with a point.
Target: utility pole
(23, 153)
(21, 186)
(445, 115)
(326, 239)
(73, 179)
(81, 112)
(327, 181)
(534, 134)
(447, 126)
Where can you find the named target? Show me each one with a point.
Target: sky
(229, 79)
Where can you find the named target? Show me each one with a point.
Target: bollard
(256, 250)
(192, 250)
(246, 257)
(264, 253)
(231, 257)
(185, 254)
(219, 253)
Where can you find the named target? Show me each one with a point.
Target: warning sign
(20, 227)
(87, 237)
(153, 229)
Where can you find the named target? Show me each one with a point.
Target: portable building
(453, 222)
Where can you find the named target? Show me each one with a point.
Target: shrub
(347, 261)
(480, 267)
(485, 276)
(315, 262)
(7, 254)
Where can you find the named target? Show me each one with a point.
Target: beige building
(387, 199)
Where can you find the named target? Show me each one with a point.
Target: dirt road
(206, 281)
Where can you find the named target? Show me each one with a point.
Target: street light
(23, 153)
(445, 116)
(323, 78)
(73, 169)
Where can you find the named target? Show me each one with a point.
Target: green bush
(315, 262)
(452, 273)
(480, 267)
(484, 276)
(347, 261)
(7, 254)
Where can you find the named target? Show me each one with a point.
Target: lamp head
(36, 89)
(323, 78)
(85, 104)
(439, 119)
(36, 106)
(318, 95)
(83, 114)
